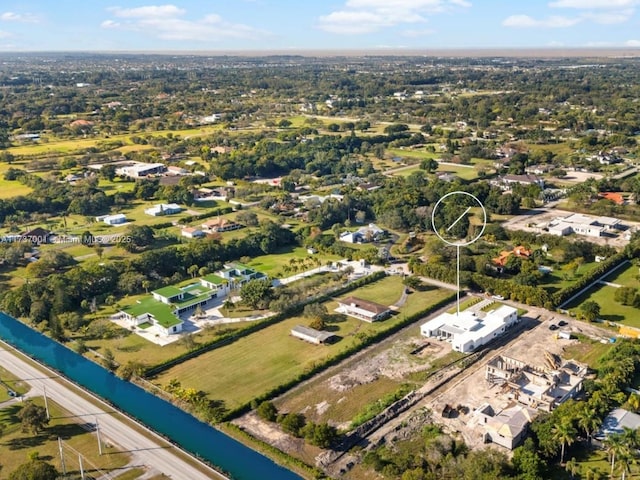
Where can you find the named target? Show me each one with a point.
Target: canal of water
(192, 435)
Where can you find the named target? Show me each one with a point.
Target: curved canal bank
(230, 456)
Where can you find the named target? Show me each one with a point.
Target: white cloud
(525, 21)
(110, 24)
(149, 11)
(591, 4)
(609, 18)
(366, 16)
(4, 34)
(18, 17)
(168, 23)
(632, 43)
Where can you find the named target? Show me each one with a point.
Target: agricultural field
(256, 364)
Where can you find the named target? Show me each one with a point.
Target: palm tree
(564, 433)
(634, 402)
(572, 467)
(589, 421)
(616, 447)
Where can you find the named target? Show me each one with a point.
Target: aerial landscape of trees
(299, 151)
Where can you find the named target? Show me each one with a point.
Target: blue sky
(94, 25)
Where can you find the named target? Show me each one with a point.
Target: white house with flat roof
(467, 331)
(581, 224)
(116, 219)
(138, 170)
(163, 209)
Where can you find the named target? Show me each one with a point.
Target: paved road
(153, 452)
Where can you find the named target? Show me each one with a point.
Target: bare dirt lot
(473, 390)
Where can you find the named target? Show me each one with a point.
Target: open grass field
(9, 381)
(465, 173)
(587, 350)
(255, 364)
(273, 264)
(16, 445)
(558, 279)
(12, 188)
(52, 145)
(603, 295)
(132, 347)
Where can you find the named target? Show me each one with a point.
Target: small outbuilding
(311, 335)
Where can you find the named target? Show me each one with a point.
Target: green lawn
(273, 264)
(132, 347)
(555, 280)
(16, 445)
(255, 364)
(587, 351)
(12, 188)
(603, 295)
(465, 173)
(10, 381)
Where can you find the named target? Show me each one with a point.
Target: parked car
(553, 326)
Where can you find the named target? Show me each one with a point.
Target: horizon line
(548, 51)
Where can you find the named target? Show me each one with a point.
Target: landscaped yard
(254, 365)
(603, 295)
(558, 279)
(273, 264)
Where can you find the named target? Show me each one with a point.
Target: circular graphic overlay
(458, 203)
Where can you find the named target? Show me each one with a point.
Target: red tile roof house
(363, 309)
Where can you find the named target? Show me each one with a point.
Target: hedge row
(319, 367)
(280, 457)
(566, 293)
(254, 327)
(202, 216)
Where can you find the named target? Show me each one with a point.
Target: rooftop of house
(618, 419)
(193, 294)
(168, 292)
(511, 421)
(215, 279)
(320, 335)
(367, 305)
(161, 312)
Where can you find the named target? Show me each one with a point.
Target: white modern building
(467, 331)
(116, 219)
(581, 224)
(139, 170)
(163, 209)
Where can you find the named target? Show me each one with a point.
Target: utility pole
(99, 440)
(81, 467)
(62, 465)
(46, 402)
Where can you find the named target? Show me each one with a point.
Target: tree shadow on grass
(129, 348)
(335, 318)
(29, 441)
